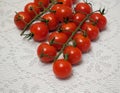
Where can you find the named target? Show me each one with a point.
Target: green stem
(36, 17)
(73, 33)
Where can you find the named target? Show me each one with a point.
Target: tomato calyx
(59, 2)
(52, 11)
(84, 33)
(66, 56)
(32, 9)
(45, 55)
(102, 11)
(94, 22)
(44, 20)
(41, 5)
(19, 18)
(38, 16)
(74, 43)
(66, 20)
(52, 41)
(29, 36)
(60, 29)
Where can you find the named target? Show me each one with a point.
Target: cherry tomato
(66, 2)
(68, 28)
(82, 42)
(64, 12)
(32, 9)
(56, 7)
(57, 39)
(44, 3)
(83, 8)
(99, 19)
(52, 21)
(21, 19)
(92, 31)
(78, 17)
(74, 54)
(62, 68)
(46, 53)
(39, 31)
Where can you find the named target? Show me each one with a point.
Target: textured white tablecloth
(21, 71)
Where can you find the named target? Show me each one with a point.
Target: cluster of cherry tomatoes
(62, 27)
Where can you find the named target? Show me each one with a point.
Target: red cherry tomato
(78, 17)
(82, 42)
(99, 19)
(91, 30)
(39, 31)
(74, 54)
(21, 19)
(66, 2)
(62, 68)
(44, 3)
(57, 39)
(46, 53)
(32, 9)
(52, 21)
(64, 12)
(83, 8)
(68, 28)
(56, 7)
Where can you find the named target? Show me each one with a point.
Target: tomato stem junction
(73, 33)
(37, 16)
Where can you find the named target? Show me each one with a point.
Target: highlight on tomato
(72, 54)
(62, 68)
(57, 39)
(21, 19)
(46, 52)
(39, 31)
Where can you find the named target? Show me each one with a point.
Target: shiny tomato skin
(32, 9)
(64, 12)
(52, 21)
(91, 30)
(58, 39)
(74, 54)
(100, 20)
(46, 53)
(56, 7)
(62, 68)
(66, 2)
(40, 31)
(68, 28)
(21, 19)
(78, 17)
(82, 42)
(83, 7)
